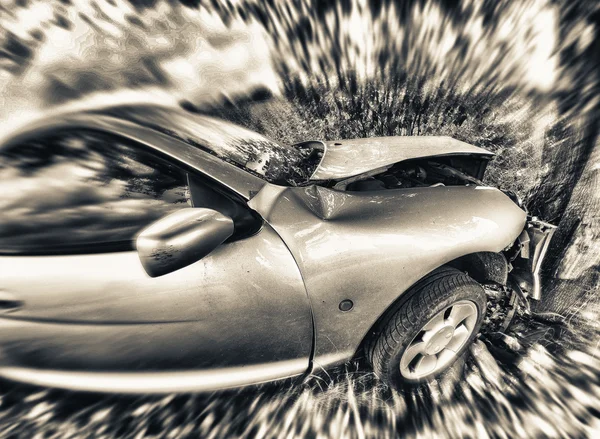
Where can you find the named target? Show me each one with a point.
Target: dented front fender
(370, 247)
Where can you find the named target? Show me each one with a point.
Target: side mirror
(181, 238)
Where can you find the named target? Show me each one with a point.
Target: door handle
(8, 302)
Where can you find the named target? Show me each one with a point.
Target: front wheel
(431, 330)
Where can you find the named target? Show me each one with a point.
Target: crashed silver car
(147, 249)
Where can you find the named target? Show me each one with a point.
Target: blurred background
(519, 78)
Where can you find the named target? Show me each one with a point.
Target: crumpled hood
(348, 158)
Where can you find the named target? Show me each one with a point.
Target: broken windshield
(276, 163)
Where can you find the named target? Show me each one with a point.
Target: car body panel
(197, 380)
(103, 312)
(371, 247)
(348, 158)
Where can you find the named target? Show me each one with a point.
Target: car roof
(110, 119)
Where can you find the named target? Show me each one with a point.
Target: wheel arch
(483, 267)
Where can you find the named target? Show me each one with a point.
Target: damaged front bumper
(527, 256)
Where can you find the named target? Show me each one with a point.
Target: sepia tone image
(299, 219)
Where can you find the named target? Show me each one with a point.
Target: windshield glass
(276, 163)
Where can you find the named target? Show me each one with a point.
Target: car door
(74, 296)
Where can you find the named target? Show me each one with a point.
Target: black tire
(428, 298)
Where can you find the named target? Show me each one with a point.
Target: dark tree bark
(570, 193)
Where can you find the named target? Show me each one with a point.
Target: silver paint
(347, 158)
(199, 380)
(181, 238)
(371, 247)
(243, 304)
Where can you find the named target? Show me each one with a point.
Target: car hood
(349, 158)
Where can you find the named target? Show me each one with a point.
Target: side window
(205, 194)
(81, 191)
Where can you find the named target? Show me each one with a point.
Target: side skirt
(158, 382)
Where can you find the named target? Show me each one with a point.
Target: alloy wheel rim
(439, 341)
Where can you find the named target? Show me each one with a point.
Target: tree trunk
(575, 264)
(570, 192)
